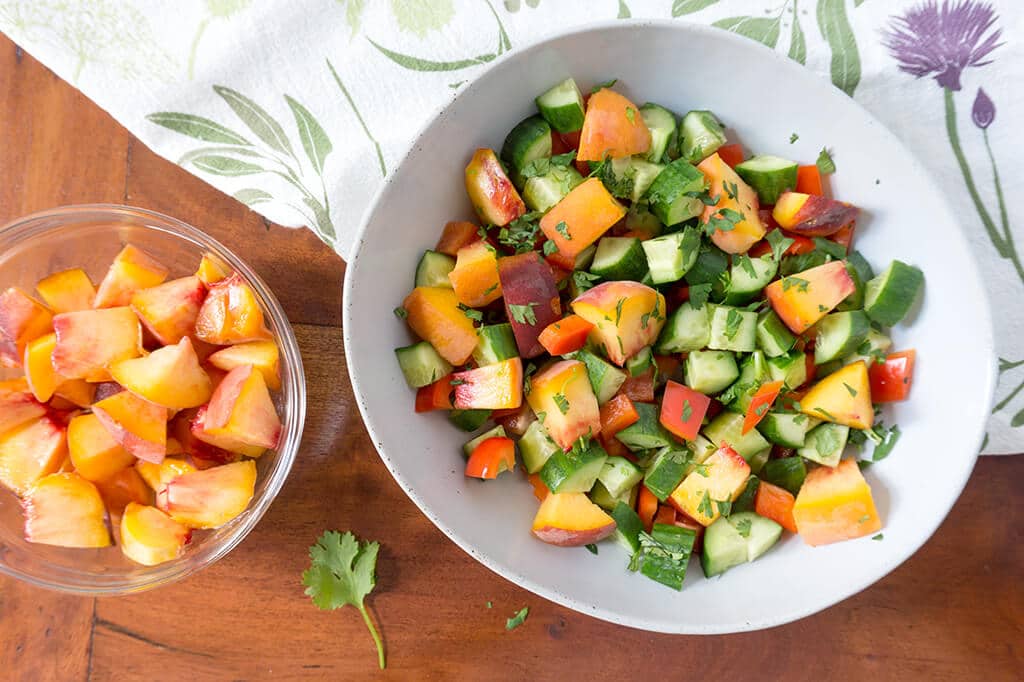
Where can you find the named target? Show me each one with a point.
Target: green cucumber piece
(769, 175)
(773, 336)
(872, 350)
(639, 363)
(421, 365)
(629, 177)
(668, 194)
(640, 220)
(541, 192)
(700, 135)
(745, 502)
(627, 527)
(760, 533)
(787, 429)
(536, 447)
(687, 329)
(825, 444)
(790, 368)
(562, 107)
(495, 343)
(861, 265)
(662, 124)
(890, 296)
(600, 496)
(619, 475)
(574, 471)
(619, 258)
(840, 334)
(529, 140)
(433, 269)
(788, 473)
(496, 432)
(605, 378)
(748, 277)
(469, 420)
(647, 433)
(668, 564)
(759, 459)
(670, 256)
(753, 373)
(724, 548)
(733, 329)
(727, 429)
(666, 472)
(710, 371)
(855, 301)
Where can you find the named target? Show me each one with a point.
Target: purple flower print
(941, 41)
(984, 110)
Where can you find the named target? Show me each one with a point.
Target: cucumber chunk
(668, 564)
(562, 107)
(541, 192)
(666, 472)
(840, 334)
(421, 365)
(536, 447)
(748, 277)
(605, 378)
(662, 124)
(788, 473)
(753, 373)
(469, 420)
(433, 269)
(825, 444)
(639, 363)
(769, 175)
(496, 432)
(727, 429)
(619, 258)
(855, 301)
(600, 496)
(890, 296)
(627, 527)
(700, 135)
(619, 475)
(787, 429)
(629, 177)
(640, 220)
(668, 194)
(745, 502)
(647, 433)
(687, 329)
(495, 343)
(710, 371)
(872, 350)
(759, 459)
(530, 139)
(733, 329)
(670, 256)
(724, 548)
(760, 533)
(790, 368)
(574, 471)
(773, 336)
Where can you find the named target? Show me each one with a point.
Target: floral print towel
(290, 107)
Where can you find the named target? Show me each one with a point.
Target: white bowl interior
(763, 98)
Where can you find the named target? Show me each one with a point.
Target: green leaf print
(1018, 420)
(252, 196)
(353, 14)
(835, 28)
(359, 117)
(684, 7)
(311, 133)
(198, 127)
(215, 9)
(514, 5)
(226, 166)
(624, 12)
(187, 157)
(257, 119)
(422, 16)
(797, 41)
(764, 30)
(419, 64)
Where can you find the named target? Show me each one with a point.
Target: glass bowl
(89, 236)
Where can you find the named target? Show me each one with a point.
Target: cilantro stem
(373, 633)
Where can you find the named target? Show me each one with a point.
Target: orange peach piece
(811, 215)
(581, 217)
(210, 498)
(627, 316)
(132, 270)
(835, 504)
(157, 475)
(22, 319)
(721, 478)
(17, 405)
(78, 392)
(211, 269)
(843, 397)
(733, 193)
(204, 447)
(571, 520)
(88, 341)
(804, 298)
(498, 386)
(65, 510)
(494, 197)
(612, 127)
(263, 355)
(475, 277)
(150, 537)
(67, 291)
(169, 310)
(123, 488)
(138, 425)
(231, 313)
(242, 409)
(38, 366)
(563, 394)
(174, 447)
(169, 376)
(435, 316)
(31, 451)
(94, 452)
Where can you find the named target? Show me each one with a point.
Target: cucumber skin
(665, 473)
(724, 548)
(428, 275)
(519, 146)
(573, 472)
(768, 184)
(414, 366)
(565, 117)
(860, 326)
(902, 284)
(631, 266)
(788, 473)
(469, 420)
(667, 194)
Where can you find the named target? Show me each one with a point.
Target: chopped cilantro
(704, 196)
(489, 290)
(864, 519)
(457, 382)
(722, 220)
(584, 280)
(731, 189)
(877, 537)
(761, 409)
(828, 415)
(705, 508)
(851, 389)
(800, 283)
(618, 310)
(563, 229)
(592, 548)
(724, 507)
(732, 323)
(474, 315)
(888, 438)
(779, 243)
(743, 261)
(793, 137)
(687, 411)
(543, 166)
(562, 402)
(699, 294)
(518, 619)
(401, 313)
(631, 114)
(489, 604)
(830, 248)
(825, 163)
(549, 248)
(655, 313)
(602, 86)
(541, 416)
(523, 314)
(521, 233)
(743, 527)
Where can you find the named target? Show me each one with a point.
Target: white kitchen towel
(300, 107)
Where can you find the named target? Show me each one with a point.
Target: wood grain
(955, 611)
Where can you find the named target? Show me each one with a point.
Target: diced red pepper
(732, 154)
(614, 447)
(684, 520)
(492, 457)
(775, 503)
(566, 335)
(808, 180)
(665, 515)
(646, 507)
(891, 380)
(617, 414)
(540, 489)
(435, 396)
(667, 365)
(760, 403)
(683, 410)
(639, 389)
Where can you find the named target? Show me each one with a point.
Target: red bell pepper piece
(492, 457)
(435, 396)
(732, 154)
(800, 245)
(566, 335)
(540, 489)
(614, 447)
(890, 380)
(667, 365)
(639, 389)
(665, 514)
(760, 404)
(683, 410)
(684, 520)
(646, 507)
(808, 180)
(617, 414)
(775, 503)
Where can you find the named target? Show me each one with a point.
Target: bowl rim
(789, 68)
(149, 577)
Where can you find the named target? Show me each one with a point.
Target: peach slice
(531, 299)
(22, 319)
(169, 310)
(581, 217)
(157, 476)
(231, 314)
(627, 316)
(30, 452)
(241, 409)
(811, 215)
(721, 478)
(65, 510)
(210, 498)
(123, 488)
(804, 298)
(211, 270)
(435, 316)
(564, 401)
(475, 277)
(498, 386)
(571, 520)
(132, 270)
(205, 447)
(17, 405)
(491, 192)
(169, 376)
(263, 355)
(138, 425)
(67, 291)
(106, 389)
(612, 128)
(835, 504)
(90, 340)
(38, 366)
(843, 397)
(151, 537)
(733, 193)
(78, 392)
(94, 452)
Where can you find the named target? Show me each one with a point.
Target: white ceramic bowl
(763, 98)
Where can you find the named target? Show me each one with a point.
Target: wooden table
(953, 611)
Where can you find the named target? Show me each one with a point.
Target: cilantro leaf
(549, 247)
(779, 243)
(743, 527)
(631, 114)
(793, 137)
(584, 280)
(602, 86)
(562, 402)
(830, 248)
(342, 572)
(592, 548)
(743, 261)
(474, 315)
(523, 314)
(732, 323)
(851, 389)
(521, 233)
(687, 411)
(699, 294)
(888, 441)
(401, 313)
(880, 536)
(705, 507)
(618, 310)
(800, 283)
(518, 619)
(825, 163)
(563, 229)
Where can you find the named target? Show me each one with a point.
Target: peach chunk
(94, 452)
(22, 319)
(263, 355)
(210, 498)
(581, 217)
(811, 215)
(498, 386)
(205, 448)
(733, 193)
(17, 405)
(627, 316)
(434, 314)
(67, 291)
(138, 425)
(805, 297)
(151, 537)
(132, 270)
(612, 127)
(475, 277)
(65, 510)
(564, 400)
(231, 313)
(241, 409)
(493, 196)
(169, 310)
(211, 270)
(78, 392)
(90, 340)
(169, 376)
(571, 520)
(158, 475)
(721, 478)
(835, 504)
(38, 366)
(531, 299)
(30, 452)
(123, 488)
(843, 397)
